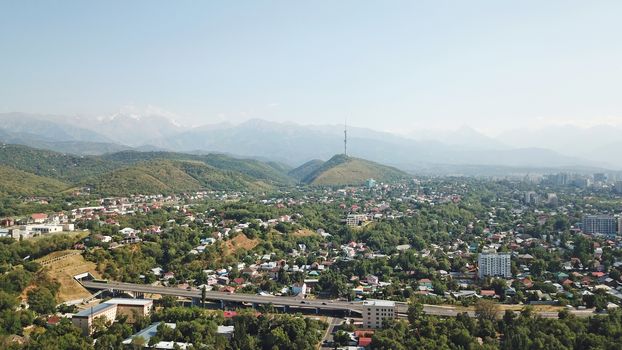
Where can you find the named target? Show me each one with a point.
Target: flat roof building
(132, 308)
(494, 265)
(376, 312)
(602, 224)
(84, 319)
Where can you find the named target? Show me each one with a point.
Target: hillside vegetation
(304, 171)
(64, 167)
(267, 171)
(168, 176)
(344, 170)
(18, 182)
(30, 171)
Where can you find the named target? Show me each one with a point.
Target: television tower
(345, 138)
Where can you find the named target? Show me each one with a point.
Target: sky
(387, 65)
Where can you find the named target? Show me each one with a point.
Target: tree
(41, 300)
(279, 339)
(415, 312)
(341, 338)
(169, 301)
(7, 301)
(333, 284)
(100, 325)
(138, 342)
(486, 310)
(107, 342)
(62, 336)
(499, 285)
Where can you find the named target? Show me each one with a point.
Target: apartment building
(84, 319)
(494, 265)
(132, 308)
(602, 224)
(110, 310)
(375, 312)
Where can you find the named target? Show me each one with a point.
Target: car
(323, 303)
(303, 302)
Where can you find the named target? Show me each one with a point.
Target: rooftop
(95, 310)
(387, 303)
(225, 329)
(148, 332)
(129, 301)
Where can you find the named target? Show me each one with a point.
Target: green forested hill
(129, 172)
(64, 167)
(267, 171)
(272, 172)
(302, 172)
(17, 182)
(169, 176)
(344, 170)
(132, 172)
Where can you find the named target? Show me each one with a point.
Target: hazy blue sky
(393, 65)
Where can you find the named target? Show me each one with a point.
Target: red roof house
(364, 341)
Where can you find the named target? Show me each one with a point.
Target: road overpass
(328, 305)
(319, 304)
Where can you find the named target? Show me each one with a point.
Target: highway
(233, 297)
(321, 304)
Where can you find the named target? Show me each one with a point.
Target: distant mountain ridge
(293, 144)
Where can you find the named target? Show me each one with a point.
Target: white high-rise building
(375, 312)
(495, 265)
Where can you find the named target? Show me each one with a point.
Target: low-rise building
(299, 289)
(375, 312)
(132, 308)
(84, 319)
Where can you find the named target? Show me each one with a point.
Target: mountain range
(295, 144)
(30, 171)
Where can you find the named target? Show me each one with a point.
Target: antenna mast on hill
(345, 138)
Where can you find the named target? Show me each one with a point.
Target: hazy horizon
(399, 66)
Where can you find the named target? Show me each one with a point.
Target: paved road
(233, 297)
(328, 336)
(402, 308)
